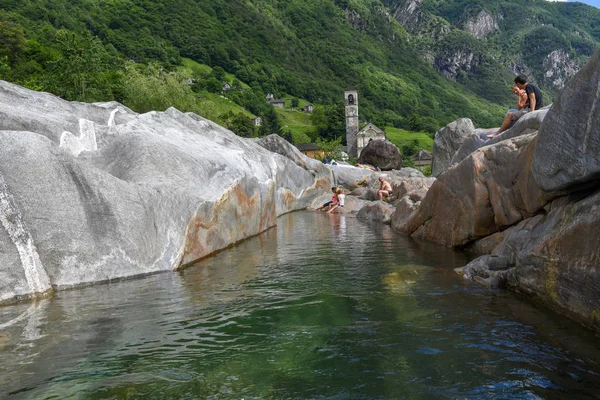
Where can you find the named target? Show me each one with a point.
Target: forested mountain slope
(475, 41)
(311, 49)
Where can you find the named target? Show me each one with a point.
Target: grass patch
(401, 137)
(212, 106)
(299, 123)
(191, 65)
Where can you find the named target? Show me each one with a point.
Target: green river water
(320, 307)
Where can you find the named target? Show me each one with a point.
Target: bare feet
(491, 135)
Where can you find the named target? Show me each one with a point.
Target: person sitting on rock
(535, 101)
(385, 189)
(327, 204)
(522, 99)
(340, 200)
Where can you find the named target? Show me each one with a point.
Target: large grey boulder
(381, 153)
(552, 257)
(568, 149)
(404, 209)
(446, 143)
(49, 115)
(488, 191)
(376, 211)
(528, 123)
(350, 177)
(89, 194)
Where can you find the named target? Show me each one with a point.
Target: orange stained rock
(206, 235)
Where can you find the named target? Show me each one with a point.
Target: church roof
(308, 147)
(369, 127)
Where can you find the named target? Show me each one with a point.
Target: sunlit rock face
(568, 152)
(559, 68)
(447, 141)
(92, 193)
(450, 63)
(409, 14)
(552, 257)
(488, 191)
(548, 212)
(481, 25)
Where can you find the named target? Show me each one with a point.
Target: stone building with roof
(311, 150)
(366, 134)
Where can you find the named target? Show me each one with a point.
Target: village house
(311, 150)
(423, 158)
(308, 108)
(257, 121)
(275, 102)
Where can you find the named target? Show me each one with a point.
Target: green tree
(330, 121)
(236, 85)
(271, 122)
(12, 40)
(79, 72)
(5, 69)
(150, 87)
(218, 73)
(331, 148)
(239, 124)
(295, 102)
(287, 135)
(213, 85)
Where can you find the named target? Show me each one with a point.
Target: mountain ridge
(309, 49)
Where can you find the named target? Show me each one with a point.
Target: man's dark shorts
(519, 114)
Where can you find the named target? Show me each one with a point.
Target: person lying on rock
(385, 189)
(327, 204)
(535, 101)
(340, 200)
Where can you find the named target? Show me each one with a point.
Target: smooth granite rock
(446, 143)
(381, 153)
(568, 150)
(92, 193)
(528, 123)
(376, 211)
(553, 257)
(488, 191)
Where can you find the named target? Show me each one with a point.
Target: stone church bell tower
(351, 103)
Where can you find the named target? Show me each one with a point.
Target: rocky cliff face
(451, 63)
(558, 68)
(499, 37)
(530, 197)
(92, 193)
(409, 15)
(482, 25)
